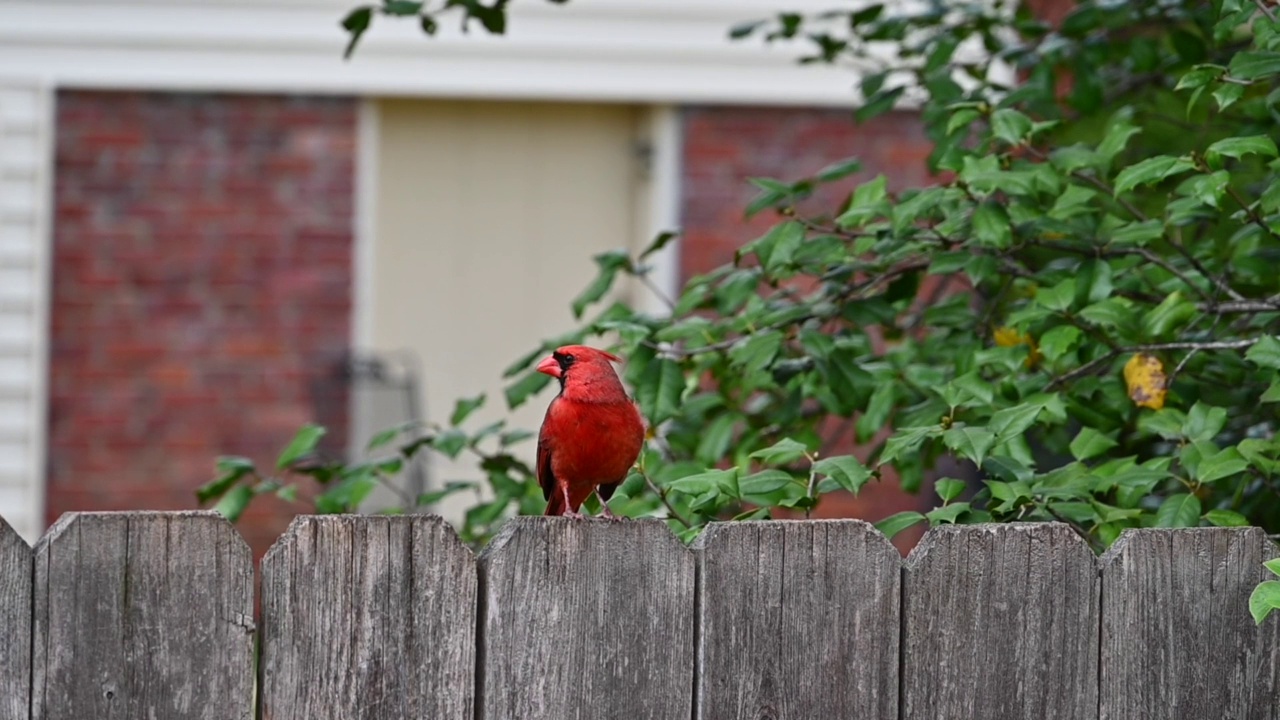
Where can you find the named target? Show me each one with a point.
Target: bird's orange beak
(550, 367)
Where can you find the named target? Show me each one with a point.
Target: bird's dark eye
(568, 358)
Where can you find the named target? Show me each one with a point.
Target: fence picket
(797, 620)
(587, 620)
(15, 625)
(1176, 631)
(1001, 621)
(143, 615)
(368, 617)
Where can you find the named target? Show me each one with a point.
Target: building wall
(726, 146)
(201, 291)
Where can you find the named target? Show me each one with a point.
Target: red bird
(592, 433)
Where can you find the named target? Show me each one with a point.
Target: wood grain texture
(1177, 637)
(143, 615)
(586, 620)
(1001, 621)
(368, 617)
(797, 620)
(15, 625)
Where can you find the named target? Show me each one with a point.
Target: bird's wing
(546, 478)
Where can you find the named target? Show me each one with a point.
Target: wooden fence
(150, 615)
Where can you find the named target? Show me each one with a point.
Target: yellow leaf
(1008, 337)
(1145, 378)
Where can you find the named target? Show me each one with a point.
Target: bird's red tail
(556, 505)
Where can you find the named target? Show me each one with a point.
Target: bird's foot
(572, 514)
(607, 514)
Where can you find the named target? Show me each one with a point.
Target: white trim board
(26, 173)
(635, 51)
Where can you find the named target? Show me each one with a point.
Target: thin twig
(1249, 210)
(1185, 345)
(657, 291)
(662, 495)
(1218, 283)
(1265, 10)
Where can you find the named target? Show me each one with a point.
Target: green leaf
(435, 496)
(763, 483)
(906, 440)
(1265, 353)
(659, 389)
(464, 407)
(1272, 393)
(1264, 598)
(1007, 469)
(1137, 233)
(947, 514)
(1273, 565)
(1204, 422)
(877, 413)
(778, 246)
(1059, 341)
(1059, 297)
(1090, 443)
(1181, 510)
(1012, 422)
(521, 390)
(1172, 312)
(878, 104)
(701, 483)
(865, 202)
(302, 444)
(1225, 463)
(839, 170)
(756, 352)
(230, 471)
(1152, 170)
(898, 522)
(1251, 65)
(233, 504)
(972, 443)
(1238, 147)
(991, 226)
(782, 452)
(1120, 129)
(846, 470)
(948, 488)
(609, 263)
(1010, 125)
(356, 23)
(1227, 94)
(401, 7)
(1226, 518)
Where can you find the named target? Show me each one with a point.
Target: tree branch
(1197, 346)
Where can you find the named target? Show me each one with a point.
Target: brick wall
(724, 146)
(201, 291)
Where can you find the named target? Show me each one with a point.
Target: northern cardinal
(592, 432)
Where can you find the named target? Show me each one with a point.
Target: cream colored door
(485, 216)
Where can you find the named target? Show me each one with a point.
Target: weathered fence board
(15, 625)
(586, 620)
(1177, 638)
(143, 615)
(368, 617)
(1000, 621)
(797, 620)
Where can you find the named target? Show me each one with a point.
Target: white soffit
(650, 51)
